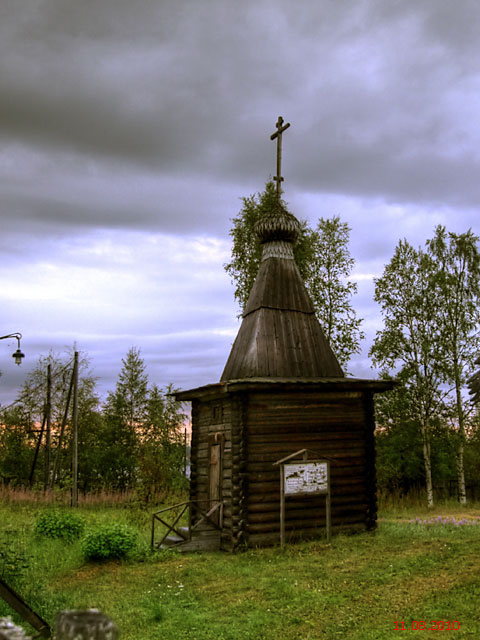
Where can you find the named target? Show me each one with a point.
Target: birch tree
(331, 289)
(456, 281)
(410, 343)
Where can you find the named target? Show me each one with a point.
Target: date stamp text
(425, 625)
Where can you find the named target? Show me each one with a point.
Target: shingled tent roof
(280, 336)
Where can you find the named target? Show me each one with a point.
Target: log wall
(237, 536)
(336, 425)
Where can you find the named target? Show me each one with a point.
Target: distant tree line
(133, 440)
(428, 428)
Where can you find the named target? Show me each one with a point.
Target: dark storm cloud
(191, 89)
(78, 199)
(114, 86)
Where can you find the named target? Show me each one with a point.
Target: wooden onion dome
(280, 336)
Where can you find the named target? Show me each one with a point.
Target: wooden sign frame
(311, 491)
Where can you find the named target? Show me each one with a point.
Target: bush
(109, 541)
(59, 524)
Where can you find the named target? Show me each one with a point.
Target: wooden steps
(206, 539)
(202, 534)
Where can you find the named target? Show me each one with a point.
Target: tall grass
(387, 501)
(38, 497)
(399, 505)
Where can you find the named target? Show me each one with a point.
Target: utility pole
(48, 411)
(62, 431)
(37, 448)
(75, 433)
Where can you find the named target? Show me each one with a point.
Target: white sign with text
(305, 477)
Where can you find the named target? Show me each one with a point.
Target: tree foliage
(410, 342)
(246, 247)
(130, 396)
(124, 413)
(400, 454)
(17, 441)
(328, 281)
(399, 443)
(430, 305)
(135, 440)
(162, 450)
(456, 290)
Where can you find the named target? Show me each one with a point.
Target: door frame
(216, 439)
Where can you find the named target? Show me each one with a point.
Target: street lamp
(18, 355)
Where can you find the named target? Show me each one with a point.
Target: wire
(32, 390)
(2, 408)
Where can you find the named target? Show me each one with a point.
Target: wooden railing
(196, 516)
(18, 604)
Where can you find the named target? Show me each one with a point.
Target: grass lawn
(355, 588)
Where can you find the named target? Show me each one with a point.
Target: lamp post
(18, 355)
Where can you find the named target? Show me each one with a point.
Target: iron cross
(278, 134)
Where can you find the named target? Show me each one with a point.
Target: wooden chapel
(282, 390)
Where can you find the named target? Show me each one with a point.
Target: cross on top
(278, 135)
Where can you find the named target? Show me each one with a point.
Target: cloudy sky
(130, 130)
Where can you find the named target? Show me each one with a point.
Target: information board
(305, 478)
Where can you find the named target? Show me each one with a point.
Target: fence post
(18, 604)
(10, 631)
(84, 625)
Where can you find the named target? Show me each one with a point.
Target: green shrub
(59, 524)
(109, 541)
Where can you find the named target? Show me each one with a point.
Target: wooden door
(215, 478)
